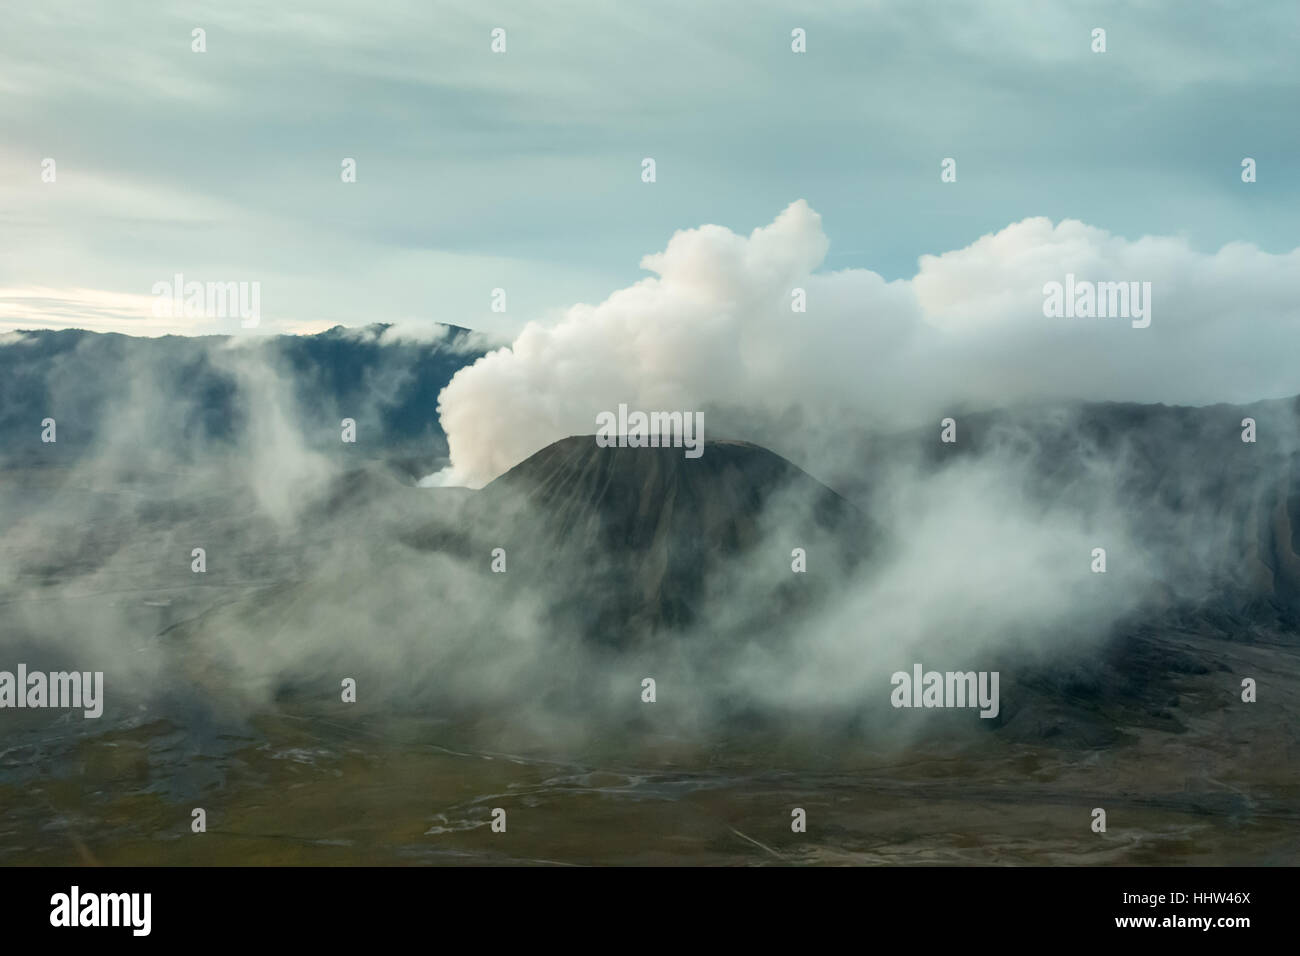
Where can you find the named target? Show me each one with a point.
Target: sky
(522, 170)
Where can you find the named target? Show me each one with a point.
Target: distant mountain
(194, 393)
(1201, 499)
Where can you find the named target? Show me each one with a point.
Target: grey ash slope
(656, 498)
(642, 540)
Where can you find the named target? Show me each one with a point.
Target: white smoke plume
(715, 325)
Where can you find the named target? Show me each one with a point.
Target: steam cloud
(715, 325)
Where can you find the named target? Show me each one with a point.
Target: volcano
(655, 538)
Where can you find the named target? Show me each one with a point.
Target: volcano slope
(636, 542)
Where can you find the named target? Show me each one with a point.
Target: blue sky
(522, 170)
